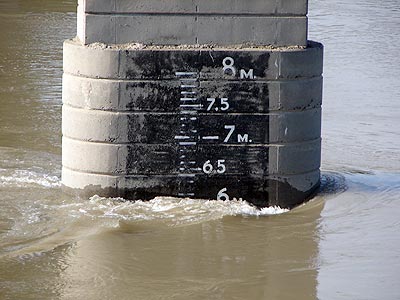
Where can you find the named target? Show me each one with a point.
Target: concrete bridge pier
(200, 98)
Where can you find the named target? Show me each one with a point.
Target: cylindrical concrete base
(201, 123)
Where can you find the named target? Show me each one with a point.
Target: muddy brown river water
(344, 244)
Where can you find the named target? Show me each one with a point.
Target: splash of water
(27, 178)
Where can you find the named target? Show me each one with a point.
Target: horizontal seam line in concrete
(179, 113)
(275, 111)
(196, 14)
(298, 143)
(119, 47)
(118, 80)
(177, 174)
(294, 174)
(201, 80)
(311, 45)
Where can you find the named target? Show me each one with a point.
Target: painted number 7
(231, 129)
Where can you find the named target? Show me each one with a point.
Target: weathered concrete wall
(123, 112)
(161, 159)
(267, 7)
(150, 64)
(155, 128)
(174, 22)
(146, 96)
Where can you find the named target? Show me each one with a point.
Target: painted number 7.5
(223, 105)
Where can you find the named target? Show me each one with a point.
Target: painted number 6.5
(208, 168)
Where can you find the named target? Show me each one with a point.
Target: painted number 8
(228, 63)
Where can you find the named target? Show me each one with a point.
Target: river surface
(344, 244)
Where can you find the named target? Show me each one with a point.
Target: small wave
(56, 224)
(28, 178)
(169, 210)
(332, 183)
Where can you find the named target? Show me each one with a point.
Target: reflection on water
(196, 262)
(341, 245)
(110, 249)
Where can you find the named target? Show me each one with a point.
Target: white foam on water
(169, 210)
(27, 178)
(44, 224)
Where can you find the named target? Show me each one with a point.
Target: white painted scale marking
(188, 138)
(187, 143)
(188, 99)
(216, 137)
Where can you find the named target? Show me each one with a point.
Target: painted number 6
(222, 195)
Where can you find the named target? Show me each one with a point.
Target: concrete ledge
(158, 64)
(294, 159)
(157, 128)
(285, 191)
(288, 190)
(88, 184)
(90, 62)
(174, 22)
(147, 159)
(279, 7)
(300, 94)
(295, 126)
(307, 63)
(92, 93)
(185, 29)
(164, 96)
(289, 7)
